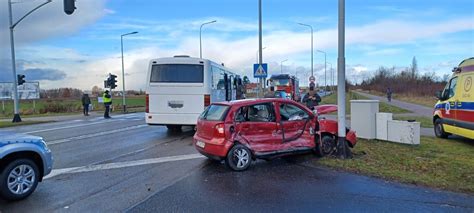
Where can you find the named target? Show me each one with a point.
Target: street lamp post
(281, 65)
(325, 82)
(123, 72)
(200, 36)
(342, 149)
(260, 52)
(257, 54)
(16, 101)
(306, 25)
(331, 74)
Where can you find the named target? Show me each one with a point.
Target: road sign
(312, 79)
(260, 71)
(27, 91)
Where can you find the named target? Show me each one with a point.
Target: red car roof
(245, 102)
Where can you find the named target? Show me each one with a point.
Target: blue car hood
(12, 137)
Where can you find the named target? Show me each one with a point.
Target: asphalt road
(122, 164)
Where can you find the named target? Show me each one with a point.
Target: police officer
(107, 98)
(312, 98)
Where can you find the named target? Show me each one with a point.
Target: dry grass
(383, 107)
(428, 101)
(439, 163)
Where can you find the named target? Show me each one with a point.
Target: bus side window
(226, 86)
(216, 76)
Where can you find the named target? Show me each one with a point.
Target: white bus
(179, 89)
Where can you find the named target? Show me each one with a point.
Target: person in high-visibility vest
(107, 98)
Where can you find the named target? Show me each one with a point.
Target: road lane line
(80, 125)
(95, 134)
(118, 165)
(67, 127)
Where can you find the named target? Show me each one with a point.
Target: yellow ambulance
(454, 112)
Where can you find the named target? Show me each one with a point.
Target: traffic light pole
(16, 109)
(16, 101)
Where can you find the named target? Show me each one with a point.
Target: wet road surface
(122, 164)
(282, 186)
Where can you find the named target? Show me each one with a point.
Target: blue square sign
(260, 71)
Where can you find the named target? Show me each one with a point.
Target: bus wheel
(174, 128)
(439, 130)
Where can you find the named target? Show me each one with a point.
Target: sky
(79, 50)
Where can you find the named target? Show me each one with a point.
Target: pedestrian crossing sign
(260, 71)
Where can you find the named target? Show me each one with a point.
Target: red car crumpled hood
(326, 108)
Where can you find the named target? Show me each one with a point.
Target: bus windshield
(177, 73)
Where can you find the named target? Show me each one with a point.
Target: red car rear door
(257, 125)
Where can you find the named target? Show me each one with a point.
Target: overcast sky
(81, 49)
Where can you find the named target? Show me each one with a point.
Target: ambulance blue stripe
(464, 106)
(467, 106)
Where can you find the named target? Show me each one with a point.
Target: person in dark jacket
(389, 94)
(312, 98)
(86, 101)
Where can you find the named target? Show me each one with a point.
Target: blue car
(24, 161)
(282, 94)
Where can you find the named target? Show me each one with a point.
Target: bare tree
(96, 91)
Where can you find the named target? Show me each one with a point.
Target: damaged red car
(239, 132)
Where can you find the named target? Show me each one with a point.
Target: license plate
(200, 144)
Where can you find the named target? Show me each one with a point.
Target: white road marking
(94, 135)
(67, 127)
(86, 124)
(118, 165)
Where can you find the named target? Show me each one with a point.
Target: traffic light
(112, 82)
(69, 6)
(21, 79)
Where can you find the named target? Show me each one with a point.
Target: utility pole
(325, 83)
(260, 55)
(16, 101)
(281, 65)
(256, 54)
(307, 25)
(342, 149)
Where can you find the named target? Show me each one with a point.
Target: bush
(403, 82)
(55, 107)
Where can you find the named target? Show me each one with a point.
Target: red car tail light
(207, 100)
(219, 131)
(147, 104)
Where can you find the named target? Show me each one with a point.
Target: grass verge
(57, 107)
(383, 107)
(428, 101)
(438, 163)
(5, 124)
